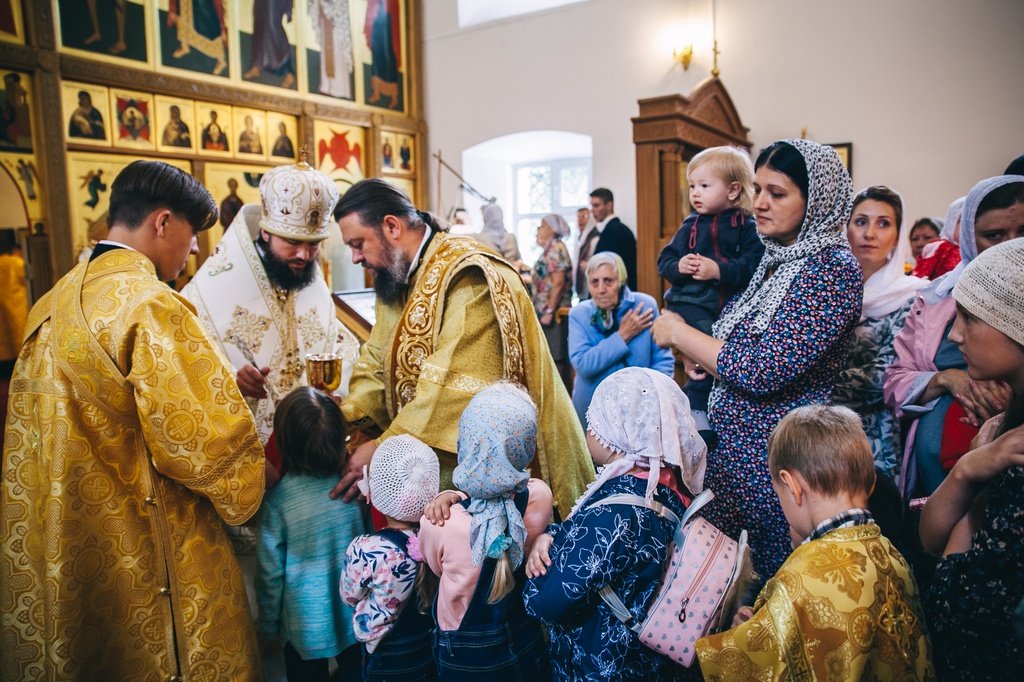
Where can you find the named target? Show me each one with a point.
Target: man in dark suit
(610, 234)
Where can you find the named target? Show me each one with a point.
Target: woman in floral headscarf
(479, 550)
(642, 436)
(782, 342)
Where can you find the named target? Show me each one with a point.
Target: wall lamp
(683, 55)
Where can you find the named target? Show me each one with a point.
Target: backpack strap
(607, 594)
(637, 501)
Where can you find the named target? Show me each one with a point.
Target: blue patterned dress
(622, 546)
(859, 386)
(794, 362)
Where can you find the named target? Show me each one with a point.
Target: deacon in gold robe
(13, 302)
(127, 443)
(451, 318)
(842, 607)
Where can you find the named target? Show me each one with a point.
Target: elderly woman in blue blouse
(880, 245)
(611, 330)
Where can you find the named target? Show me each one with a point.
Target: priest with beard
(452, 317)
(262, 294)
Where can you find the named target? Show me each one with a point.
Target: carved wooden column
(669, 131)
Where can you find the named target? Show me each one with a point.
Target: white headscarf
(941, 288)
(890, 288)
(952, 219)
(494, 221)
(829, 200)
(557, 224)
(644, 416)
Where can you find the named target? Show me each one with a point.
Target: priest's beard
(280, 274)
(392, 281)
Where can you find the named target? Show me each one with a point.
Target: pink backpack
(699, 588)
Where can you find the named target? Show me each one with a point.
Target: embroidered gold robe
(467, 322)
(127, 442)
(843, 607)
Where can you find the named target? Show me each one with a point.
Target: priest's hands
(353, 471)
(252, 382)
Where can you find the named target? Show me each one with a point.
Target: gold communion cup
(324, 371)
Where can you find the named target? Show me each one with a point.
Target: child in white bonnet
(382, 569)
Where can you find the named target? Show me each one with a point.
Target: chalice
(324, 371)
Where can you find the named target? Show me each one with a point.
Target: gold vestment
(843, 607)
(467, 322)
(127, 442)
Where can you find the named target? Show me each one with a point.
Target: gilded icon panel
(89, 178)
(194, 36)
(16, 102)
(250, 135)
(86, 113)
(133, 119)
(214, 126)
(267, 42)
(283, 129)
(232, 185)
(338, 152)
(12, 24)
(175, 125)
(114, 31)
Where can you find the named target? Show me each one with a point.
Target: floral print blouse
(619, 545)
(555, 258)
(859, 386)
(377, 579)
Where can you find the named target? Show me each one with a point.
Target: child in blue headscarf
(478, 551)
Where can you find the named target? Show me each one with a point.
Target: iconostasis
(223, 90)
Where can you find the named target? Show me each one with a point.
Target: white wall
(928, 91)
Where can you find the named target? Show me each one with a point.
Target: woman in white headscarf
(643, 439)
(880, 245)
(782, 342)
(928, 382)
(496, 236)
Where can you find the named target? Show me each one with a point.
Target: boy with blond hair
(714, 253)
(844, 605)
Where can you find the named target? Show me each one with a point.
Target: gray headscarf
(943, 286)
(497, 441)
(829, 201)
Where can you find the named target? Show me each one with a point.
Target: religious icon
(28, 175)
(133, 112)
(338, 152)
(270, 51)
(175, 122)
(111, 30)
(15, 121)
(329, 49)
(87, 110)
(194, 36)
(405, 153)
(11, 27)
(214, 137)
(383, 36)
(387, 151)
(283, 145)
(92, 183)
(231, 204)
(251, 127)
